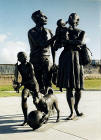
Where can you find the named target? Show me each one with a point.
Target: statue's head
(39, 18)
(73, 19)
(22, 57)
(61, 23)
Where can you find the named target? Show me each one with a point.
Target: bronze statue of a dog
(46, 103)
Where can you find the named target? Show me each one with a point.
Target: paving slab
(87, 127)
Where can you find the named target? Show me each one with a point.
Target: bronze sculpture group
(37, 74)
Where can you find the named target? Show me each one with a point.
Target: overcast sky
(15, 21)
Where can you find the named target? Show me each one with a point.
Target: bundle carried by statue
(85, 55)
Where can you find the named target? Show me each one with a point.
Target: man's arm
(32, 74)
(16, 84)
(53, 55)
(16, 73)
(30, 38)
(53, 38)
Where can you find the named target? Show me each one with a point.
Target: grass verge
(92, 84)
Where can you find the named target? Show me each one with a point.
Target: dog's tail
(50, 90)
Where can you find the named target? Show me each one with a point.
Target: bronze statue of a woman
(69, 65)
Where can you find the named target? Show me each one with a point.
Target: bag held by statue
(54, 71)
(85, 55)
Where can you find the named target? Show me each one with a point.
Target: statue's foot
(24, 123)
(57, 120)
(79, 114)
(70, 117)
(61, 89)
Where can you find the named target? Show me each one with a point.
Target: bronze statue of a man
(41, 42)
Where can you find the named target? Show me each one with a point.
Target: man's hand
(16, 86)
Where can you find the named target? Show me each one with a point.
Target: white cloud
(2, 38)
(10, 49)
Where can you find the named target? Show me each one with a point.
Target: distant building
(7, 72)
(96, 62)
(7, 69)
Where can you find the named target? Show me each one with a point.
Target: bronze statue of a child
(28, 81)
(61, 34)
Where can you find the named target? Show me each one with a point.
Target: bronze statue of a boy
(28, 81)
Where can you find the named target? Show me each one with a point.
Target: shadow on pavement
(11, 124)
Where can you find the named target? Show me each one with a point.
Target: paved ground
(87, 127)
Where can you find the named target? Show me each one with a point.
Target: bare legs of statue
(25, 94)
(73, 102)
(77, 99)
